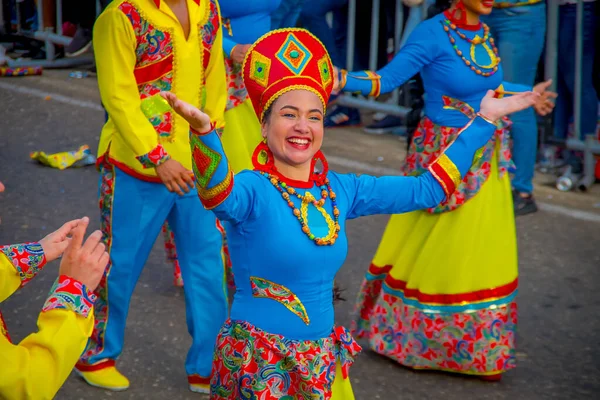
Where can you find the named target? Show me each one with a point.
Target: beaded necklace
(326, 191)
(493, 53)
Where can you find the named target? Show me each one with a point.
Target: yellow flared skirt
(469, 249)
(241, 136)
(440, 292)
(341, 388)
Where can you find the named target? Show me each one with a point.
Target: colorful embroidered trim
(446, 173)
(267, 289)
(294, 55)
(27, 258)
(263, 365)
(478, 342)
(326, 73)
(206, 162)
(153, 71)
(259, 68)
(70, 294)
(154, 158)
(460, 302)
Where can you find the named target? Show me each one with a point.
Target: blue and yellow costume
(281, 338)
(142, 50)
(38, 366)
(440, 292)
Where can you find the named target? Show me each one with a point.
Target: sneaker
(389, 124)
(81, 42)
(108, 378)
(523, 205)
(342, 116)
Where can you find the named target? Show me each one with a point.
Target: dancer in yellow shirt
(143, 47)
(67, 319)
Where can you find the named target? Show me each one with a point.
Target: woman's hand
(238, 53)
(544, 105)
(198, 120)
(87, 261)
(336, 81)
(55, 243)
(493, 109)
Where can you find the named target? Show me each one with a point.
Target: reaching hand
(175, 177)
(239, 52)
(336, 81)
(55, 243)
(85, 263)
(196, 118)
(544, 105)
(494, 109)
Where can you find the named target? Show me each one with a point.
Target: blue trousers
(519, 33)
(286, 15)
(566, 71)
(133, 212)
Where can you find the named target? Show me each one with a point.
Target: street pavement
(558, 349)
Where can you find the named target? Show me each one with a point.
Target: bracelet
(486, 119)
(342, 78)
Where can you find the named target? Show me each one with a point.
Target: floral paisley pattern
(107, 185)
(480, 342)
(209, 32)
(154, 48)
(153, 44)
(27, 258)
(279, 293)
(70, 294)
(253, 364)
(428, 143)
(154, 158)
(236, 91)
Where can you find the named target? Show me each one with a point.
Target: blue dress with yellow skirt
(440, 292)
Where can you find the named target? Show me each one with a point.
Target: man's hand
(238, 53)
(85, 262)
(544, 105)
(175, 177)
(55, 243)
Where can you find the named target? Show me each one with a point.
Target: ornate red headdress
(284, 60)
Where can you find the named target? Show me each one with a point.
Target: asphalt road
(559, 248)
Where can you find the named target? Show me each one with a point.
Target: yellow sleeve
(216, 81)
(37, 367)
(114, 45)
(19, 263)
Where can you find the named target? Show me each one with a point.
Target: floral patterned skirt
(440, 292)
(250, 363)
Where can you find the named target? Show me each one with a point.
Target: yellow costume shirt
(141, 50)
(37, 367)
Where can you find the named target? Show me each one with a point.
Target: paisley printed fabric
(253, 364)
(281, 294)
(236, 91)
(70, 294)
(154, 158)
(107, 186)
(209, 31)
(431, 139)
(473, 340)
(154, 69)
(28, 259)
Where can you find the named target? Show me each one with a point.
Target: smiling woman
(286, 222)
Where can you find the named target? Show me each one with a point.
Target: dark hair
(267, 113)
(337, 293)
(443, 5)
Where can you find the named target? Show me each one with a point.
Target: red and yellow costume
(65, 324)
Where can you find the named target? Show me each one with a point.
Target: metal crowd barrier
(590, 146)
(50, 39)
